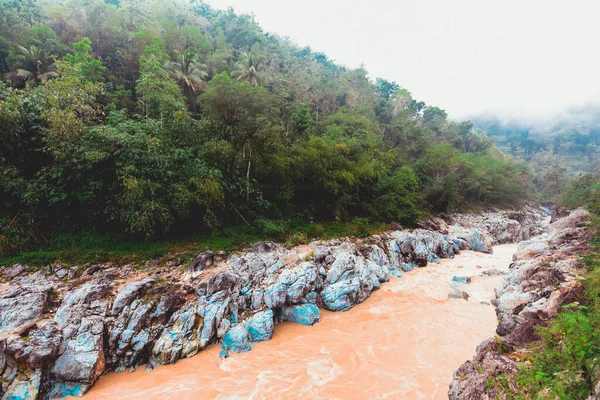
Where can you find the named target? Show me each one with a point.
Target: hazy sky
(525, 58)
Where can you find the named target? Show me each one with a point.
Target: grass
(92, 248)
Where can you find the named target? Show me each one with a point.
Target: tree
(250, 69)
(189, 73)
(41, 66)
(159, 95)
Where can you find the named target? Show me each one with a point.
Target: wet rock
(461, 279)
(236, 340)
(305, 314)
(458, 294)
(260, 326)
(299, 281)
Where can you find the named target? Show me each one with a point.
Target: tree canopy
(160, 118)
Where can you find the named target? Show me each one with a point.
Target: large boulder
(304, 314)
(260, 326)
(236, 340)
(342, 296)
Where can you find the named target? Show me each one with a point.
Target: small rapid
(403, 342)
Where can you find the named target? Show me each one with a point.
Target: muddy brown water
(404, 342)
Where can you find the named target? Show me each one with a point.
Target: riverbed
(403, 342)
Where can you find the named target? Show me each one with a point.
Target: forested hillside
(557, 150)
(153, 118)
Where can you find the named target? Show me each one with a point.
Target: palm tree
(251, 69)
(41, 69)
(189, 73)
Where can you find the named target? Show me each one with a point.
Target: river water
(404, 342)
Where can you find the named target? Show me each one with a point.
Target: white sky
(514, 58)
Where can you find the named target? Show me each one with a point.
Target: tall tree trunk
(248, 174)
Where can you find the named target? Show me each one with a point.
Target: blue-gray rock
(179, 338)
(21, 308)
(129, 293)
(260, 326)
(304, 314)
(342, 296)
(461, 279)
(236, 340)
(256, 299)
(275, 295)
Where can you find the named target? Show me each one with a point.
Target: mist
(513, 59)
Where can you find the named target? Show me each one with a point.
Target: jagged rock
(93, 269)
(305, 314)
(260, 326)
(299, 281)
(129, 293)
(15, 270)
(21, 308)
(470, 381)
(236, 340)
(43, 345)
(275, 296)
(81, 360)
(342, 296)
(180, 338)
(201, 262)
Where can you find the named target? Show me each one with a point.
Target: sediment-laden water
(403, 342)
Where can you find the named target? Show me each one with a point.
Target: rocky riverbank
(62, 328)
(542, 278)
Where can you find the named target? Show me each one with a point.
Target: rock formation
(541, 279)
(64, 327)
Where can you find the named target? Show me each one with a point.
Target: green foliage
(177, 119)
(584, 191)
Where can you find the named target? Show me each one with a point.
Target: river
(404, 342)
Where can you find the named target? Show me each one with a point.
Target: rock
(129, 293)
(236, 340)
(15, 270)
(201, 262)
(257, 299)
(299, 281)
(470, 381)
(275, 296)
(81, 360)
(180, 338)
(461, 279)
(493, 272)
(458, 294)
(21, 308)
(342, 296)
(93, 269)
(305, 314)
(260, 326)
